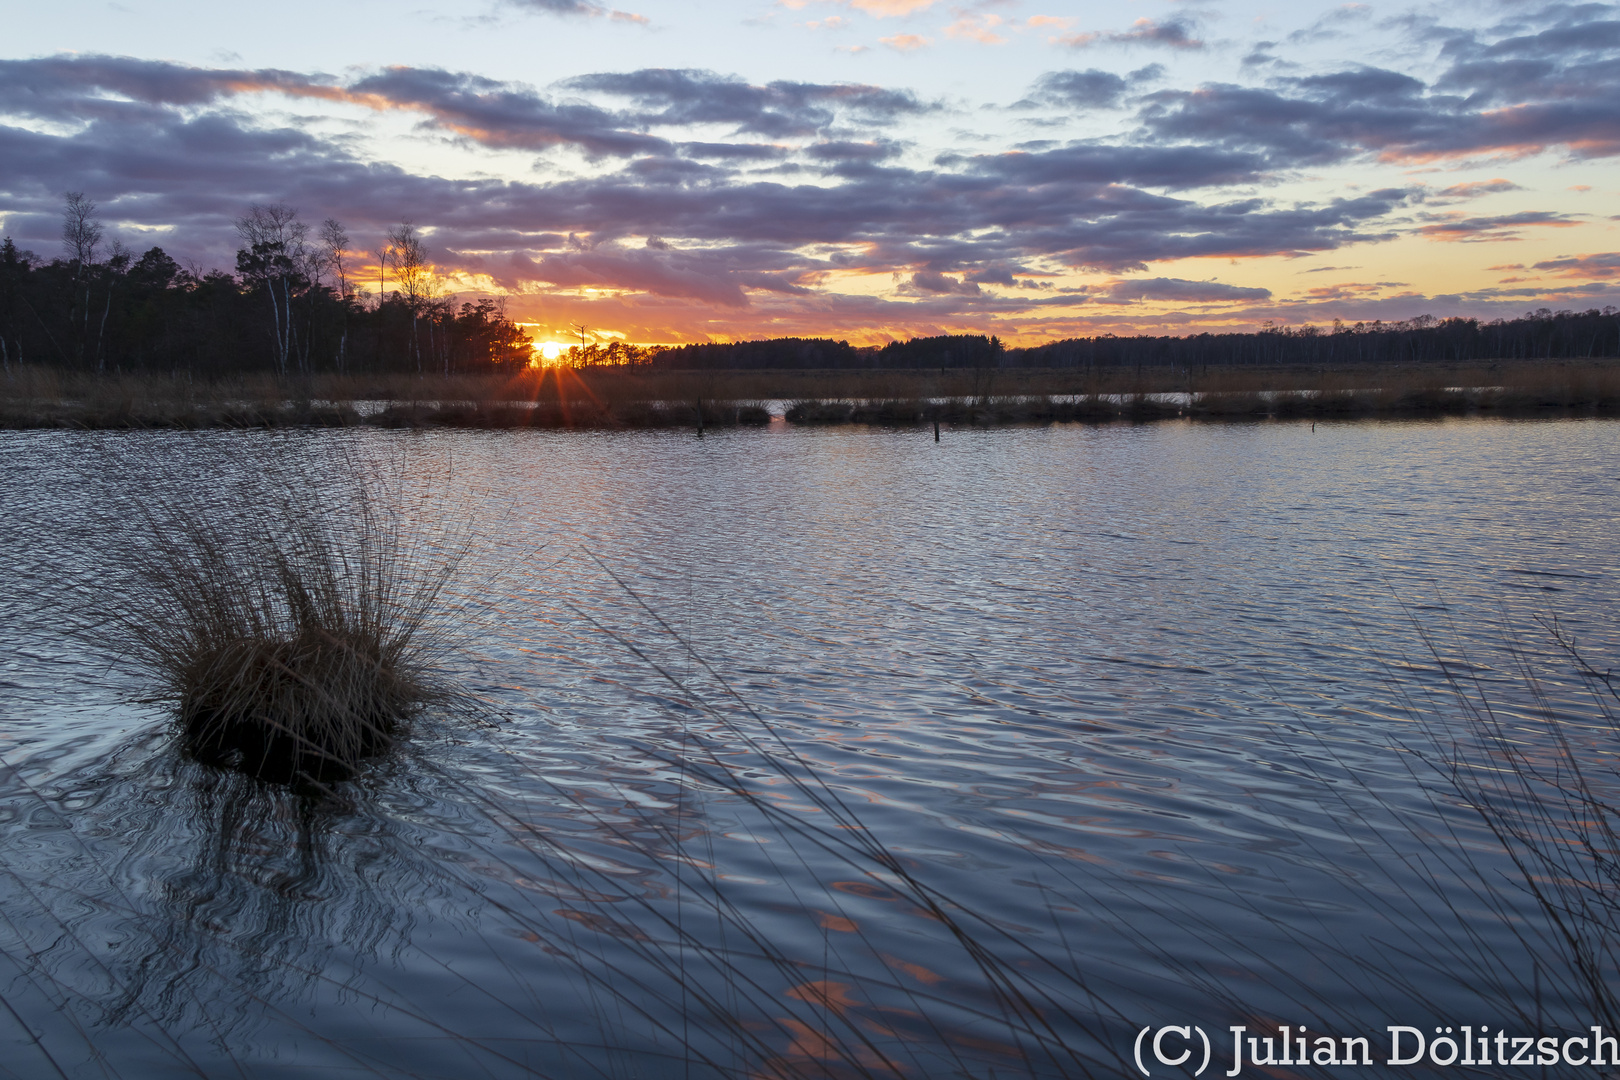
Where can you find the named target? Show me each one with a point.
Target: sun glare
(546, 353)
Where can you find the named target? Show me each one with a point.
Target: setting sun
(546, 352)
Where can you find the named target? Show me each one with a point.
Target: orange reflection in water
(827, 993)
(829, 921)
(562, 384)
(916, 971)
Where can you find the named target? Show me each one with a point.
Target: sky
(669, 172)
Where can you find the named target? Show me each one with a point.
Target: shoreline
(632, 399)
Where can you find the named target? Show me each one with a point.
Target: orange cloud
(882, 9)
(977, 28)
(906, 42)
(888, 8)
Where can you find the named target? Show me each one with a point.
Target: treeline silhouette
(293, 306)
(1540, 334)
(947, 351)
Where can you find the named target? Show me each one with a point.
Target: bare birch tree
(81, 235)
(334, 246)
(412, 272)
(277, 254)
(81, 230)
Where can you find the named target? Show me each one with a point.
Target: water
(1146, 703)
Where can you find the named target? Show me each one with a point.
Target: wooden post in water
(936, 429)
(700, 417)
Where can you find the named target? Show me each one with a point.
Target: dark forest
(293, 307)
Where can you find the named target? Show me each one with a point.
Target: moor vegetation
(288, 618)
(646, 397)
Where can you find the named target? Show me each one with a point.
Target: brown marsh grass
(286, 614)
(639, 398)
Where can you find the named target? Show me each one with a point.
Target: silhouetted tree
(411, 271)
(274, 262)
(334, 248)
(81, 236)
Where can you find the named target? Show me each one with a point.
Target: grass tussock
(285, 614)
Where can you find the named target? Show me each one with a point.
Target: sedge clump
(284, 604)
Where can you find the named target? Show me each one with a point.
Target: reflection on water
(1140, 700)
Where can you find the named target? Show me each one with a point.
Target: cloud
(802, 184)
(1089, 89)
(1174, 33)
(1329, 118)
(734, 151)
(992, 275)
(1072, 205)
(670, 96)
(1330, 26)
(906, 42)
(1512, 97)
(977, 26)
(891, 8)
(1501, 227)
(1570, 60)
(1178, 290)
(1173, 167)
(852, 151)
(490, 112)
(1605, 265)
(503, 115)
(559, 7)
(585, 8)
(72, 87)
(716, 278)
(1473, 189)
(882, 9)
(929, 282)
(1351, 290)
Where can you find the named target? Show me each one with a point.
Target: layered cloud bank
(676, 204)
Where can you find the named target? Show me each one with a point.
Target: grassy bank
(638, 398)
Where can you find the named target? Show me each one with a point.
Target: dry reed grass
(287, 615)
(1555, 811)
(639, 398)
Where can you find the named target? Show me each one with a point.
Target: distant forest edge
(1539, 335)
(294, 307)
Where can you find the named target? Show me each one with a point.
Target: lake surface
(1149, 712)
